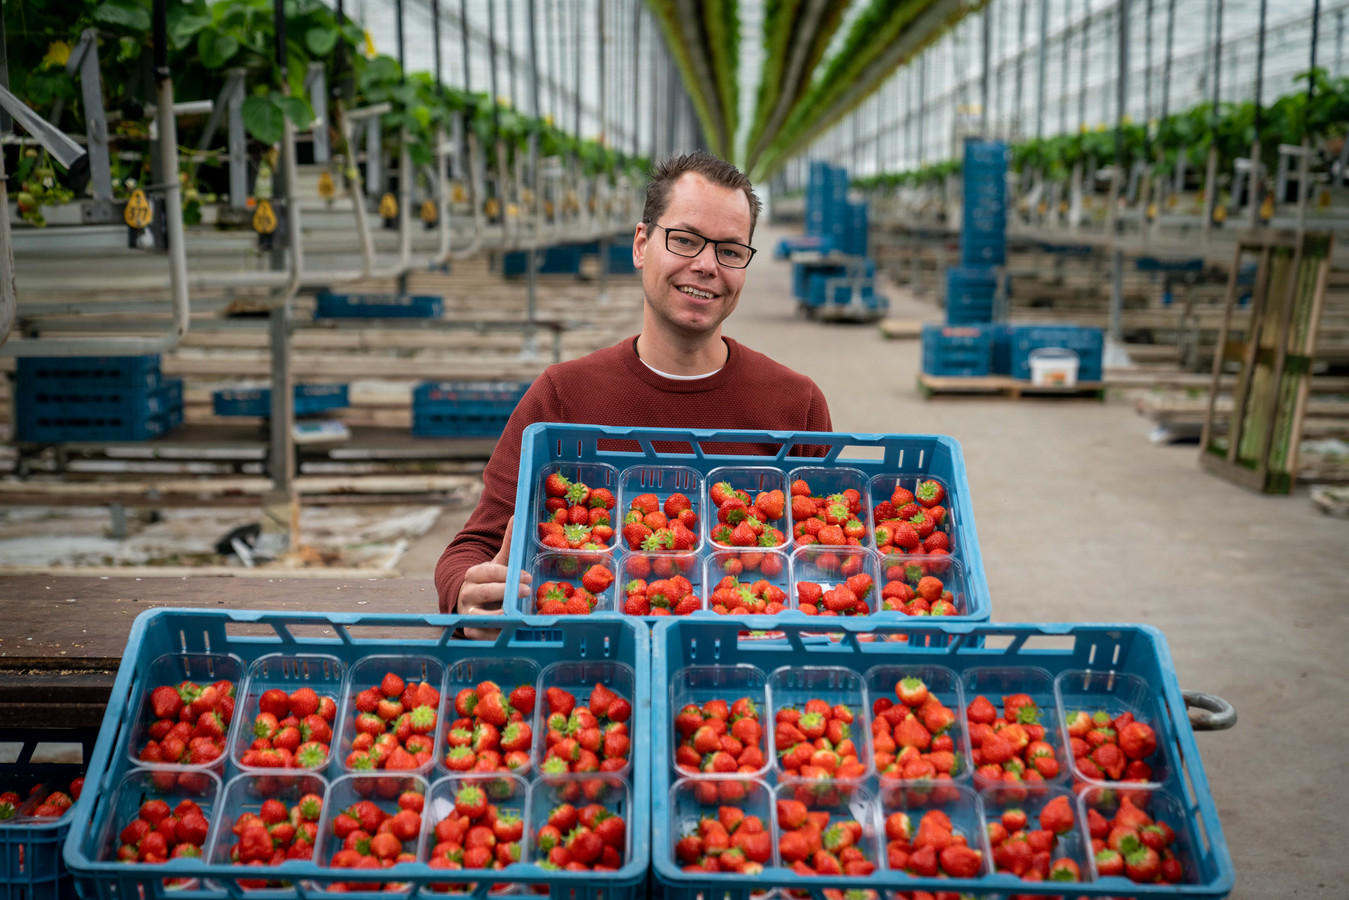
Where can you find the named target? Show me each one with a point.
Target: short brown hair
(665, 173)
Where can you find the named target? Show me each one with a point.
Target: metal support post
(1043, 70)
(85, 60)
(316, 85)
(280, 513)
(1117, 257)
(236, 138)
(374, 163)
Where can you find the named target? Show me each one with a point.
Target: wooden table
(61, 639)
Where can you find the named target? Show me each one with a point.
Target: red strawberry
(522, 699)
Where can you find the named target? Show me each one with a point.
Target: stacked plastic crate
(377, 306)
(103, 398)
(834, 226)
(464, 409)
(972, 286)
(310, 400)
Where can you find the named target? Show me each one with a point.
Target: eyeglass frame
(706, 240)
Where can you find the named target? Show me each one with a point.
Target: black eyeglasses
(731, 254)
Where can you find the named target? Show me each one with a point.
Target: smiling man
(693, 246)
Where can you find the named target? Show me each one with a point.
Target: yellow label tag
(327, 188)
(1267, 207)
(1220, 213)
(491, 207)
(1152, 211)
(1171, 201)
(548, 208)
(388, 206)
(1043, 207)
(1323, 199)
(512, 210)
(458, 194)
(138, 212)
(429, 213)
(264, 217)
(527, 197)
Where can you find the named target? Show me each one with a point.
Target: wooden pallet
(1003, 385)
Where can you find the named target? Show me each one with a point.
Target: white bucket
(1053, 367)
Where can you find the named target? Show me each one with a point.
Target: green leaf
(296, 109)
(320, 41)
(184, 25)
(264, 119)
(215, 48)
(127, 48)
(126, 13)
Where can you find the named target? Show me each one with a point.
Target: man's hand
(484, 589)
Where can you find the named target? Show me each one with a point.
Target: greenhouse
(553, 433)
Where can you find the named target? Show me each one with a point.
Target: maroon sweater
(614, 387)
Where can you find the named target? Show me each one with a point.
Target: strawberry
(556, 485)
(522, 699)
(559, 701)
(493, 709)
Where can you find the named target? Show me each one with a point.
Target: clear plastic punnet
(175, 670)
(288, 673)
(743, 689)
(554, 571)
(369, 672)
(752, 480)
(1102, 697)
(665, 484)
(919, 705)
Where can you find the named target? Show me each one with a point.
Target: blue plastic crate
(1000, 334)
(709, 653)
(378, 306)
(31, 867)
(1087, 343)
(562, 259)
(619, 260)
(309, 400)
(979, 250)
(803, 274)
(88, 373)
(598, 449)
(957, 351)
(988, 154)
(250, 635)
(57, 427)
(464, 408)
(808, 243)
(59, 410)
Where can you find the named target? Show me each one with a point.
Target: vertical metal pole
(576, 84)
(465, 49)
(1043, 70)
(5, 123)
(96, 127)
(1020, 66)
(1063, 68)
(1303, 187)
(1339, 40)
(1170, 55)
(1082, 66)
(1121, 103)
(278, 171)
(654, 70)
(435, 42)
(922, 109)
(402, 56)
(636, 63)
(510, 51)
(601, 38)
(1254, 177)
(1217, 57)
(281, 461)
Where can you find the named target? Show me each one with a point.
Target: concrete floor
(1081, 519)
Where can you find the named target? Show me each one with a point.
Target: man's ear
(639, 243)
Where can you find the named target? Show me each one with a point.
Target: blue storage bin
(1087, 343)
(1007, 658)
(957, 351)
(572, 448)
(969, 295)
(350, 638)
(464, 408)
(976, 251)
(310, 399)
(31, 867)
(378, 306)
(619, 259)
(803, 275)
(87, 373)
(557, 260)
(1001, 335)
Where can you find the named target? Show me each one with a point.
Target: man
(692, 246)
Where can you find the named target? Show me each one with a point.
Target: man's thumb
(505, 552)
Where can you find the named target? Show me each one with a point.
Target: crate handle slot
(1209, 712)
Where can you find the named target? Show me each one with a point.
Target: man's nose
(706, 260)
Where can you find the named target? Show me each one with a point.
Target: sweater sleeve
(480, 538)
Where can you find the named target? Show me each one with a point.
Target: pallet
(901, 329)
(1003, 385)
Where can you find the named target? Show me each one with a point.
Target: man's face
(690, 298)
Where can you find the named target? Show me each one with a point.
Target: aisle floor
(1082, 519)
